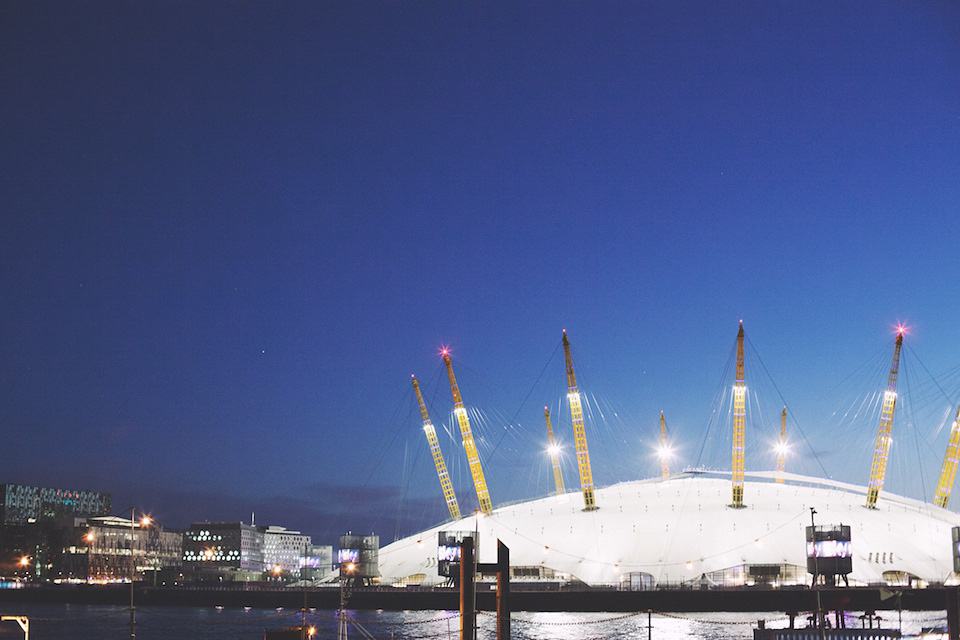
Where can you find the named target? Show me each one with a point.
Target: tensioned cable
(717, 403)
(485, 459)
(784, 400)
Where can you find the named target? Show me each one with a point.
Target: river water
(88, 622)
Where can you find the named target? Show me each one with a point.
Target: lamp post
(133, 611)
(816, 571)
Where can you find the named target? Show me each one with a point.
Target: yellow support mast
(664, 449)
(554, 455)
(882, 448)
(782, 446)
(431, 432)
(739, 425)
(473, 458)
(949, 471)
(579, 433)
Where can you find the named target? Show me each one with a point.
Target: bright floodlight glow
(351, 567)
(145, 521)
(782, 448)
(665, 451)
(24, 561)
(553, 449)
(573, 395)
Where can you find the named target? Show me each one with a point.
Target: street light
(144, 521)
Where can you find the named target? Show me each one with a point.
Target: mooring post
(468, 613)
(953, 612)
(503, 591)
(649, 624)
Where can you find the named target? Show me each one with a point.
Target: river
(90, 622)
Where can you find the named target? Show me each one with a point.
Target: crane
(579, 433)
(739, 425)
(428, 428)
(473, 458)
(949, 471)
(554, 455)
(881, 450)
(782, 446)
(664, 449)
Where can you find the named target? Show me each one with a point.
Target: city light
(24, 561)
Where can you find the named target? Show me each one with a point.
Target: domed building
(698, 527)
(682, 530)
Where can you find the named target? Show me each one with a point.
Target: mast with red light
(948, 473)
(881, 450)
(554, 455)
(579, 433)
(431, 432)
(469, 446)
(739, 425)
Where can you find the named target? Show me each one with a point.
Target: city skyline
(231, 234)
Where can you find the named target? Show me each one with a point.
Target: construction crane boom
(948, 473)
(445, 483)
(782, 446)
(579, 433)
(664, 450)
(554, 455)
(881, 450)
(469, 446)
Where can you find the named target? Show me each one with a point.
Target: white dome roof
(678, 528)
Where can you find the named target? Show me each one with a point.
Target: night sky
(230, 232)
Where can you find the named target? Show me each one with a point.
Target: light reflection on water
(85, 622)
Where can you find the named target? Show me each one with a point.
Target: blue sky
(230, 233)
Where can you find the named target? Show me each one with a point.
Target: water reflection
(82, 622)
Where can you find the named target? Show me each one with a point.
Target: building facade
(284, 551)
(224, 550)
(23, 504)
(99, 550)
(27, 521)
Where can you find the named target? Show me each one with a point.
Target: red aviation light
(444, 350)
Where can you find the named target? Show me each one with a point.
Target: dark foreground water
(88, 622)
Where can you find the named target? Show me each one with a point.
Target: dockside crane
(739, 425)
(664, 449)
(948, 473)
(881, 450)
(782, 446)
(469, 446)
(554, 455)
(428, 428)
(579, 433)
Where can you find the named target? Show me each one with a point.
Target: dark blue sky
(231, 231)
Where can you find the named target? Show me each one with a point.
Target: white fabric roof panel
(680, 527)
